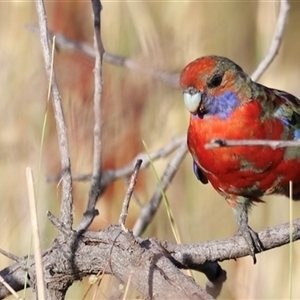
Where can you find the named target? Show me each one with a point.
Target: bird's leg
(251, 237)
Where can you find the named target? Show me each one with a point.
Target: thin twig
(66, 209)
(132, 183)
(10, 255)
(109, 176)
(134, 196)
(60, 226)
(150, 209)
(217, 143)
(62, 42)
(276, 41)
(94, 191)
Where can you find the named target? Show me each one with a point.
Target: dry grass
(164, 35)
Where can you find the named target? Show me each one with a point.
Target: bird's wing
(287, 109)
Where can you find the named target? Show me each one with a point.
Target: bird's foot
(252, 239)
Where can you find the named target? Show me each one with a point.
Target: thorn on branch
(58, 224)
(10, 255)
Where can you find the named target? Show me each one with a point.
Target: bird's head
(212, 86)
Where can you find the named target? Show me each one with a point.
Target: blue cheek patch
(223, 105)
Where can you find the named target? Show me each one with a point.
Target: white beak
(192, 101)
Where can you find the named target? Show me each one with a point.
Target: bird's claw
(252, 239)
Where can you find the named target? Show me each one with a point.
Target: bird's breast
(243, 169)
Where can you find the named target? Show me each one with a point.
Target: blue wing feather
(199, 174)
(286, 108)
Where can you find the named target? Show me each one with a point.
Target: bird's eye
(215, 81)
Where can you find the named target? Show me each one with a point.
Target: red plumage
(226, 104)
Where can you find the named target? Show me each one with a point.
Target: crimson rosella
(226, 104)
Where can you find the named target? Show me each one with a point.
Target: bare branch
(63, 42)
(193, 255)
(10, 255)
(66, 209)
(154, 270)
(60, 226)
(129, 192)
(150, 209)
(217, 143)
(166, 77)
(276, 41)
(108, 176)
(94, 192)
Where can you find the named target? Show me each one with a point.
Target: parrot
(226, 104)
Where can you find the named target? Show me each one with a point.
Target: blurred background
(161, 35)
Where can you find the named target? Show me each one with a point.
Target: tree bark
(114, 251)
